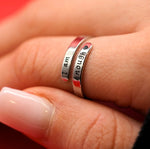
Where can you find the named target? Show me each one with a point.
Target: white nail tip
(25, 112)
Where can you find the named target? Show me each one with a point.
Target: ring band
(78, 69)
(69, 57)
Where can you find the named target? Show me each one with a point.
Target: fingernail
(25, 112)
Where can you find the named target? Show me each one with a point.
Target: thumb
(57, 119)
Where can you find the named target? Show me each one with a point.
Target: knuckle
(139, 70)
(26, 60)
(32, 17)
(142, 52)
(94, 135)
(32, 22)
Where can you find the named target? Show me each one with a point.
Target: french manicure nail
(25, 112)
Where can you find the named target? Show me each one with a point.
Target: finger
(75, 17)
(56, 116)
(116, 69)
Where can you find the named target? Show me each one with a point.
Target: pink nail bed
(25, 112)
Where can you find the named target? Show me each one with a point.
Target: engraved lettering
(66, 61)
(76, 78)
(86, 47)
(83, 53)
(64, 73)
(78, 67)
(77, 72)
(65, 65)
(79, 62)
(81, 57)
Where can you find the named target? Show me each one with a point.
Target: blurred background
(9, 138)
(7, 7)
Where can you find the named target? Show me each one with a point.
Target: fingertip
(27, 113)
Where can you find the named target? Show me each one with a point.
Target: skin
(117, 69)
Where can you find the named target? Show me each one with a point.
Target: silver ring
(65, 73)
(78, 69)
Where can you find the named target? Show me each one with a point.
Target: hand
(75, 17)
(59, 120)
(117, 70)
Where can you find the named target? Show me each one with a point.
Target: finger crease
(115, 130)
(89, 129)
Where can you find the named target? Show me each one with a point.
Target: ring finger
(115, 70)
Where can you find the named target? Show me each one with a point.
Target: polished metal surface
(65, 73)
(78, 69)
